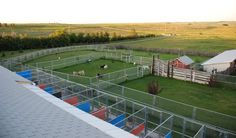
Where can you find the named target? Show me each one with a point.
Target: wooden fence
(163, 68)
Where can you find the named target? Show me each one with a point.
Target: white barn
(221, 62)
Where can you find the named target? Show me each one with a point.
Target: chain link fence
(107, 84)
(225, 80)
(131, 116)
(200, 114)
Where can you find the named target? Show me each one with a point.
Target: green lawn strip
(91, 69)
(218, 99)
(61, 55)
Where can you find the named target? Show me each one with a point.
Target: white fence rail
(162, 68)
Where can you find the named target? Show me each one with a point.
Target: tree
(114, 37)
(153, 87)
(106, 37)
(134, 33)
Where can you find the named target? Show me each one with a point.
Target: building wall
(219, 67)
(178, 64)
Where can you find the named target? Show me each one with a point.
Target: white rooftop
(225, 57)
(28, 111)
(186, 60)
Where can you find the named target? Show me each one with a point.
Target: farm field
(214, 45)
(184, 29)
(93, 68)
(217, 99)
(198, 36)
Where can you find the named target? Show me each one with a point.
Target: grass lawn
(92, 68)
(61, 55)
(217, 99)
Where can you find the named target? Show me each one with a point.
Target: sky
(116, 11)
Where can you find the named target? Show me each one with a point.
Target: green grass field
(179, 43)
(197, 36)
(217, 99)
(197, 59)
(61, 55)
(91, 69)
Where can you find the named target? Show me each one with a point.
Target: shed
(182, 62)
(224, 62)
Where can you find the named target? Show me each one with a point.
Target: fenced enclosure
(12, 62)
(129, 58)
(225, 80)
(108, 84)
(110, 79)
(56, 64)
(15, 64)
(196, 113)
(133, 117)
(162, 68)
(120, 76)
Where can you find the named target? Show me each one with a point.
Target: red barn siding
(179, 64)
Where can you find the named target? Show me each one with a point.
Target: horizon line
(120, 22)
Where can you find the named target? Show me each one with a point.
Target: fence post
(122, 90)
(184, 126)
(107, 113)
(171, 122)
(154, 100)
(161, 114)
(153, 65)
(133, 110)
(191, 75)
(142, 72)
(163, 70)
(202, 132)
(145, 118)
(172, 71)
(185, 75)
(137, 72)
(194, 112)
(168, 69)
(125, 106)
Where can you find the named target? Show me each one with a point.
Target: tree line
(60, 39)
